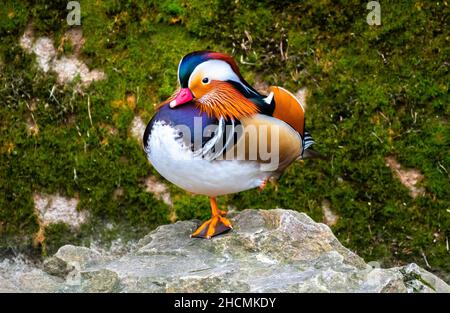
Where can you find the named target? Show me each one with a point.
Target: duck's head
(213, 81)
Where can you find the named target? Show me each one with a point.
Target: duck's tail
(307, 152)
(308, 140)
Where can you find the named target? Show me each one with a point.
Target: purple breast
(184, 115)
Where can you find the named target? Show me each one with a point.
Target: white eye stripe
(214, 70)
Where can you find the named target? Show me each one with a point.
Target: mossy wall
(374, 91)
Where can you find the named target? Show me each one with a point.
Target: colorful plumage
(217, 135)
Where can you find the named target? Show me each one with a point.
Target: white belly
(176, 163)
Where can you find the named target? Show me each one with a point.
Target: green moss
(60, 234)
(13, 16)
(375, 91)
(188, 207)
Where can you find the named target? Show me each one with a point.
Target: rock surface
(267, 251)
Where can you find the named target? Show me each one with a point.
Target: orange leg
(216, 225)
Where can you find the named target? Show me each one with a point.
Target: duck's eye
(205, 80)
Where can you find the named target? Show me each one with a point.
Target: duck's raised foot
(214, 226)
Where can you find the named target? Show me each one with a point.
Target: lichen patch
(45, 53)
(301, 95)
(410, 178)
(137, 128)
(161, 192)
(67, 68)
(329, 217)
(158, 188)
(75, 36)
(54, 208)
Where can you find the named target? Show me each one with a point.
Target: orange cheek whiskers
(224, 101)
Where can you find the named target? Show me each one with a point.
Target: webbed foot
(216, 225)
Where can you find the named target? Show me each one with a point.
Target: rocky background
(76, 98)
(268, 251)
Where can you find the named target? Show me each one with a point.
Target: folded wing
(288, 109)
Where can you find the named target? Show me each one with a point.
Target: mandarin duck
(217, 135)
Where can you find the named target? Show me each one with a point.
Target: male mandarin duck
(201, 138)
